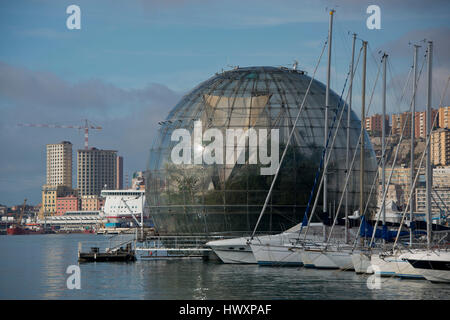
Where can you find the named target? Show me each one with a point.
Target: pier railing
(178, 242)
(109, 244)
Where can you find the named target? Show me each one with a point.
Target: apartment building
(97, 170)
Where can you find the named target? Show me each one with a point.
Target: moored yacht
(285, 249)
(331, 257)
(267, 254)
(433, 265)
(314, 257)
(394, 264)
(342, 257)
(361, 262)
(239, 250)
(236, 250)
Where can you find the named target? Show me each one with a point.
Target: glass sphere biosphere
(226, 196)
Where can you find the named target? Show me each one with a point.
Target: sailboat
(337, 256)
(315, 255)
(414, 262)
(235, 250)
(390, 262)
(361, 258)
(264, 250)
(281, 250)
(434, 265)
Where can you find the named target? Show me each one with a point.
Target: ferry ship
(124, 208)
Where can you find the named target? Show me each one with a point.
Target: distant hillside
(404, 154)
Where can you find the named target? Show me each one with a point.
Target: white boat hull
(238, 250)
(394, 265)
(434, 266)
(233, 256)
(279, 255)
(317, 259)
(342, 258)
(361, 263)
(235, 251)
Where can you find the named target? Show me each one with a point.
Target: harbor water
(34, 267)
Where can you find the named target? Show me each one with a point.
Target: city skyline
(129, 65)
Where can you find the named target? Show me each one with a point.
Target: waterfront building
(228, 197)
(50, 194)
(374, 124)
(59, 164)
(97, 170)
(444, 117)
(75, 220)
(440, 147)
(68, 203)
(91, 202)
(58, 177)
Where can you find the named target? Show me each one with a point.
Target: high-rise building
(398, 121)
(119, 175)
(444, 117)
(420, 123)
(59, 164)
(440, 147)
(59, 176)
(97, 170)
(374, 124)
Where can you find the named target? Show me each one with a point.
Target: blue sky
(133, 60)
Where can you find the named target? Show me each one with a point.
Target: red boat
(16, 230)
(33, 228)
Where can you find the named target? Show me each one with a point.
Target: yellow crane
(22, 211)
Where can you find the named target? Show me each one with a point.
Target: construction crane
(86, 127)
(22, 211)
(16, 227)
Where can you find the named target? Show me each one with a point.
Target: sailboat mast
(349, 111)
(327, 101)
(413, 126)
(429, 177)
(383, 142)
(363, 121)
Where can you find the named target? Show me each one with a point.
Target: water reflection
(33, 267)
